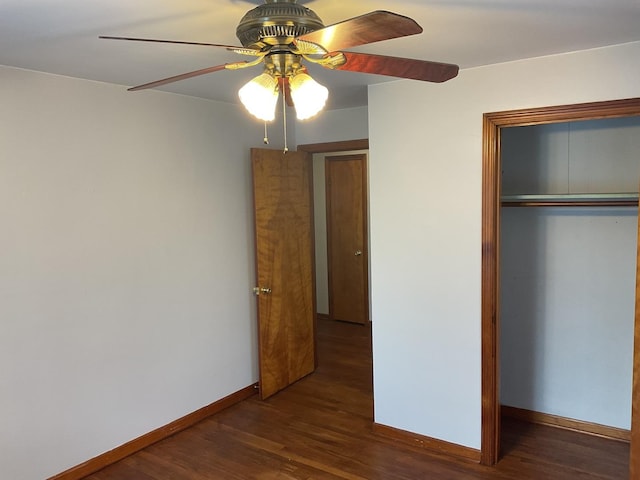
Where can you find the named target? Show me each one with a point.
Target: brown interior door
(284, 267)
(348, 265)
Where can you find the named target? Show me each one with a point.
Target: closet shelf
(571, 200)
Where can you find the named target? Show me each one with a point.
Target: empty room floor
(321, 428)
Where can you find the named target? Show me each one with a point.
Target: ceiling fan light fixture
(309, 97)
(260, 96)
(281, 33)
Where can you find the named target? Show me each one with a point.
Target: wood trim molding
(565, 423)
(112, 456)
(492, 123)
(427, 443)
(634, 461)
(566, 113)
(490, 442)
(344, 146)
(322, 317)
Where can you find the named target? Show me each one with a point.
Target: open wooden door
(347, 243)
(284, 267)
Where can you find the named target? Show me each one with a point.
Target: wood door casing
(282, 185)
(347, 243)
(492, 124)
(634, 460)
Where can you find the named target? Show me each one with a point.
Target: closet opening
(560, 196)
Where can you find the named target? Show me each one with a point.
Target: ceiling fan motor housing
(276, 23)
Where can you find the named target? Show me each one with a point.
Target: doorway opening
(491, 203)
(341, 243)
(326, 311)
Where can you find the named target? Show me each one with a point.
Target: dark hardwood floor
(320, 428)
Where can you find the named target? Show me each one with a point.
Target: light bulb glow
(259, 96)
(309, 97)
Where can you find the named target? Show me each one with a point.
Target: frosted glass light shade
(308, 96)
(259, 96)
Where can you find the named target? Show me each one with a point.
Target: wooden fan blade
(183, 76)
(399, 67)
(368, 28)
(179, 42)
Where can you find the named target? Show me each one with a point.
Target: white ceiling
(61, 37)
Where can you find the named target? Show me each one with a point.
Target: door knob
(358, 253)
(258, 290)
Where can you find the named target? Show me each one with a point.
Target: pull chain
(266, 135)
(284, 119)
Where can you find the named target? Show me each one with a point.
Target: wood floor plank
(321, 428)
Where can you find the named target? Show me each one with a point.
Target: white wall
(595, 156)
(568, 296)
(126, 267)
(320, 226)
(426, 185)
(334, 126)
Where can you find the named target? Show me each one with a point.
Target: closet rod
(572, 200)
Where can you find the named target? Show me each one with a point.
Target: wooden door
(284, 267)
(348, 265)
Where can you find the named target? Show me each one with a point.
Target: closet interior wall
(567, 274)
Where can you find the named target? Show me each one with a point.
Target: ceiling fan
(281, 34)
